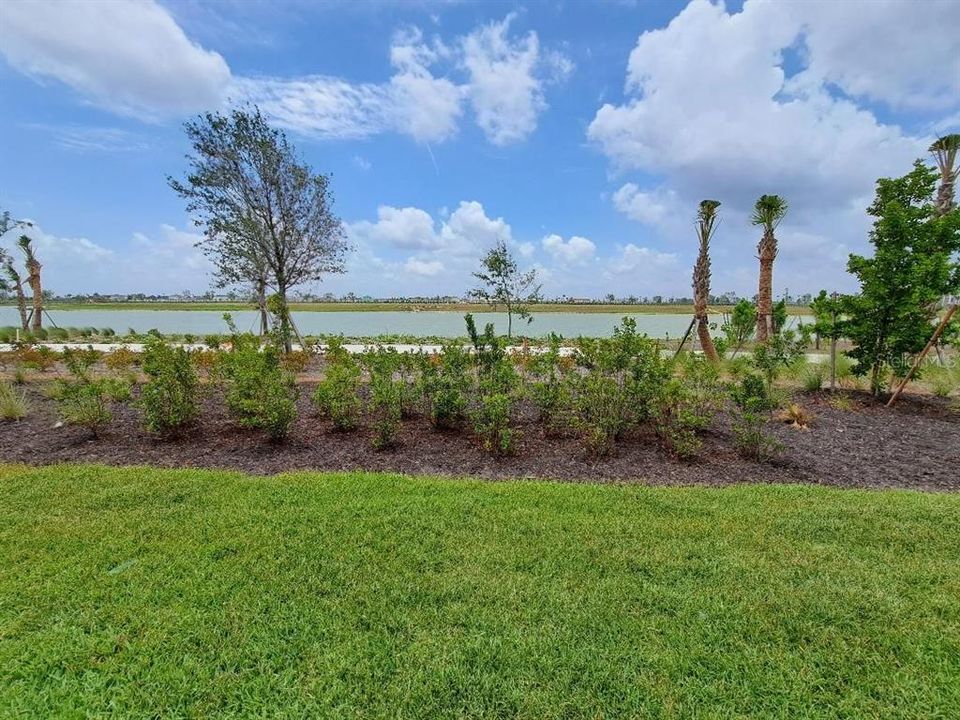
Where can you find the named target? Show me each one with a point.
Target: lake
(365, 324)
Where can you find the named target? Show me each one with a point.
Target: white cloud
(633, 258)
(428, 268)
(575, 251)
(408, 227)
(168, 262)
(468, 230)
(904, 54)
(711, 110)
(651, 208)
(130, 57)
(506, 89)
(526, 249)
(505, 85)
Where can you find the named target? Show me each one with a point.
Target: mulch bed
(915, 445)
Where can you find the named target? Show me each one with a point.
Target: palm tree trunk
(37, 291)
(765, 295)
(22, 307)
(706, 342)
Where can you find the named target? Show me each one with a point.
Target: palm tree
(768, 212)
(945, 151)
(16, 282)
(706, 225)
(33, 279)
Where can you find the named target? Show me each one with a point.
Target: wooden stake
(916, 363)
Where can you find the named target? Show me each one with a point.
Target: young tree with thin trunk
(260, 206)
(706, 226)
(768, 212)
(33, 280)
(504, 284)
(944, 152)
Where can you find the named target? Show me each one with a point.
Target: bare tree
(267, 217)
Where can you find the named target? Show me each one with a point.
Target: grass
(225, 306)
(13, 402)
(149, 593)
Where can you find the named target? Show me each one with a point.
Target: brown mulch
(915, 445)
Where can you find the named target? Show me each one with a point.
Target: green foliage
(84, 399)
(911, 268)
(169, 398)
(444, 384)
(387, 390)
(687, 404)
(780, 351)
(497, 387)
(753, 402)
(13, 402)
(741, 324)
(552, 387)
(337, 394)
(502, 283)
(622, 386)
(260, 393)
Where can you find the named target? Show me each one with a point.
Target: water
(364, 324)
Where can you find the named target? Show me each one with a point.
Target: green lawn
(146, 593)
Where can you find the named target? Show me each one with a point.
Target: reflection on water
(363, 324)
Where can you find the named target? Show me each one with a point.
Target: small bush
(121, 359)
(107, 332)
(58, 334)
(386, 399)
(337, 394)
(169, 398)
(212, 342)
(295, 361)
(13, 403)
(445, 384)
(260, 393)
(37, 358)
(749, 427)
(85, 400)
(812, 376)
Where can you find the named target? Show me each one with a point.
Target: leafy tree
(740, 325)
(267, 217)
(911, 269)
(504, 284)
(768, 212)
(706, 226)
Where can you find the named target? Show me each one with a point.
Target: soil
(915, 445)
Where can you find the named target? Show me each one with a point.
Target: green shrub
(444, 385)
(812, 376)
(13, 403)
(753, 403)
(107, 332)
(337, 394)
(169, 398)
(121, 359)
(552, 387)
(497, 385)
(780, 351)
(212, 341)
(8, 334)
(687, 405)
(260, 393)
(623, 385)
(84, 399)
(386, 396)
(58, 334)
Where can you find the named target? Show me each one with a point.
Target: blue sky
(582, 133)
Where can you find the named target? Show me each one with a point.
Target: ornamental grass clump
(169, 398)
(13, 402)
